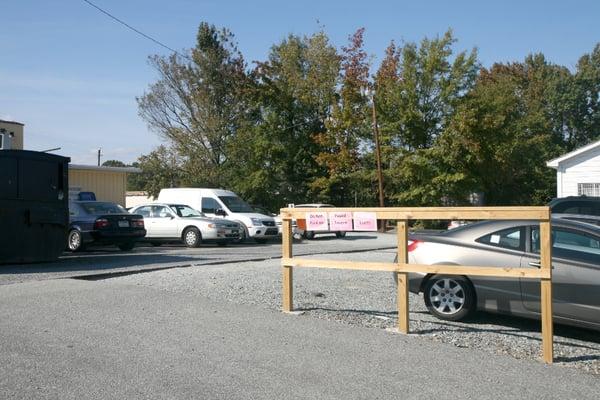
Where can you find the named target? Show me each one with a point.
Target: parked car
(575, 276)
(179, 222)
(102, 222)
(219, 203)
(311, 234)
(577, 208)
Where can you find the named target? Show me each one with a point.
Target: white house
(578, 172)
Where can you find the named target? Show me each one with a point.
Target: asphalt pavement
(76, 339)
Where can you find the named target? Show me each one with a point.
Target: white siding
(584, 168)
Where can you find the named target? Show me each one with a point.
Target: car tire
(75, 240)
(192, 237)
(261, 241)
(242, 237)
(309, 235)
(451, 298)
(340, 235)
(126, 246)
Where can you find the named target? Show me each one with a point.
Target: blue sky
(71, 74)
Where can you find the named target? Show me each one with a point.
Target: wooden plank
(402, 277)
(507, 272)
(546, 291)
(403, 213)
(287, 270)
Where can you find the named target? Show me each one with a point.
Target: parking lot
(246, 279)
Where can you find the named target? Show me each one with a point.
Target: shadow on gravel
(97, 262)
(505, 325)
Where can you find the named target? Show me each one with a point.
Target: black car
(577, 208)
(102, 222)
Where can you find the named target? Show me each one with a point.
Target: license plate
(123, 224)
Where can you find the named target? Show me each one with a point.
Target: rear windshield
(99, 208)
(236, 205)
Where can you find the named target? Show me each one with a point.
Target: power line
(135, 30)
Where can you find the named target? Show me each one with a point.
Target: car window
(185, 211)
(235, 204)
(160, 212)
(145, 211)
(508, 238)
(209, 205)
(570, 245)
(577, 207)
(73, 210)
(99, 208)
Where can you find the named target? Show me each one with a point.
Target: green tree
(345, 129)
(198, 103)
(162, 168)
(273, 161)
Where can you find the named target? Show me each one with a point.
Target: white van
(224, 204)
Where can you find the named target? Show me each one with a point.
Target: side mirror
(220, 211)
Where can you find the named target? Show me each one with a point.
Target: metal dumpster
(34, 213)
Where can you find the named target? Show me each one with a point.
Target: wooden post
(402, 277)
(287, 279)
(546, 291)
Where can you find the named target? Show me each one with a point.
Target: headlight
(256, 221)
(212, 225)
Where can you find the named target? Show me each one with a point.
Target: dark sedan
(105, 223)
(575, 276)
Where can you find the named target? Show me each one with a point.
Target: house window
(588, 189)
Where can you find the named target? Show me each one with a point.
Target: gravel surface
(368, 299)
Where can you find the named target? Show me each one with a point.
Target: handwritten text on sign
(365, 221)
(316, 221)
(340, 221)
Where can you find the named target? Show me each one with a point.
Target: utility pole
(99, 155)
(378, 160)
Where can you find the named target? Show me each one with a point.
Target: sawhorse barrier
(402, 215)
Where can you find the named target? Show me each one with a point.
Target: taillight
(137, 223)
(101, 223)
(413, 244)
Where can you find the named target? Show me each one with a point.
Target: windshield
(185, 211)
(99, 208)
(236, 205)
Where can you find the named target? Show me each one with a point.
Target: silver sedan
(575, 276)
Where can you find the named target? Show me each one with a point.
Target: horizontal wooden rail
(402, 213)
(505, 272)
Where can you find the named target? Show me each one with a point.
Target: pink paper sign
(365, 221)
(340, 221)
(316, 221)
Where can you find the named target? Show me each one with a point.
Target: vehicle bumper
(117, 236)
(414, 282)
(263, 231)
(221, 234)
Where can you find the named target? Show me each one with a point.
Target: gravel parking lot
(368, 299)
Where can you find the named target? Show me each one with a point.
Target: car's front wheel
(449, 297)
(192, 237)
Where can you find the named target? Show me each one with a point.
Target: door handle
(537, 264)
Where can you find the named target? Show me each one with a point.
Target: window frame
(522, 239)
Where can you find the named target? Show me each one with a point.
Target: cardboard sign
(365, 221)
(316, 221)
(340, 221)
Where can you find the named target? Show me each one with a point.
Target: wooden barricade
(402, 267)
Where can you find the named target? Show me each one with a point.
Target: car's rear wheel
(309, 235)
(192, 237)
(75, 240)
(449, 297)
(126, 246)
